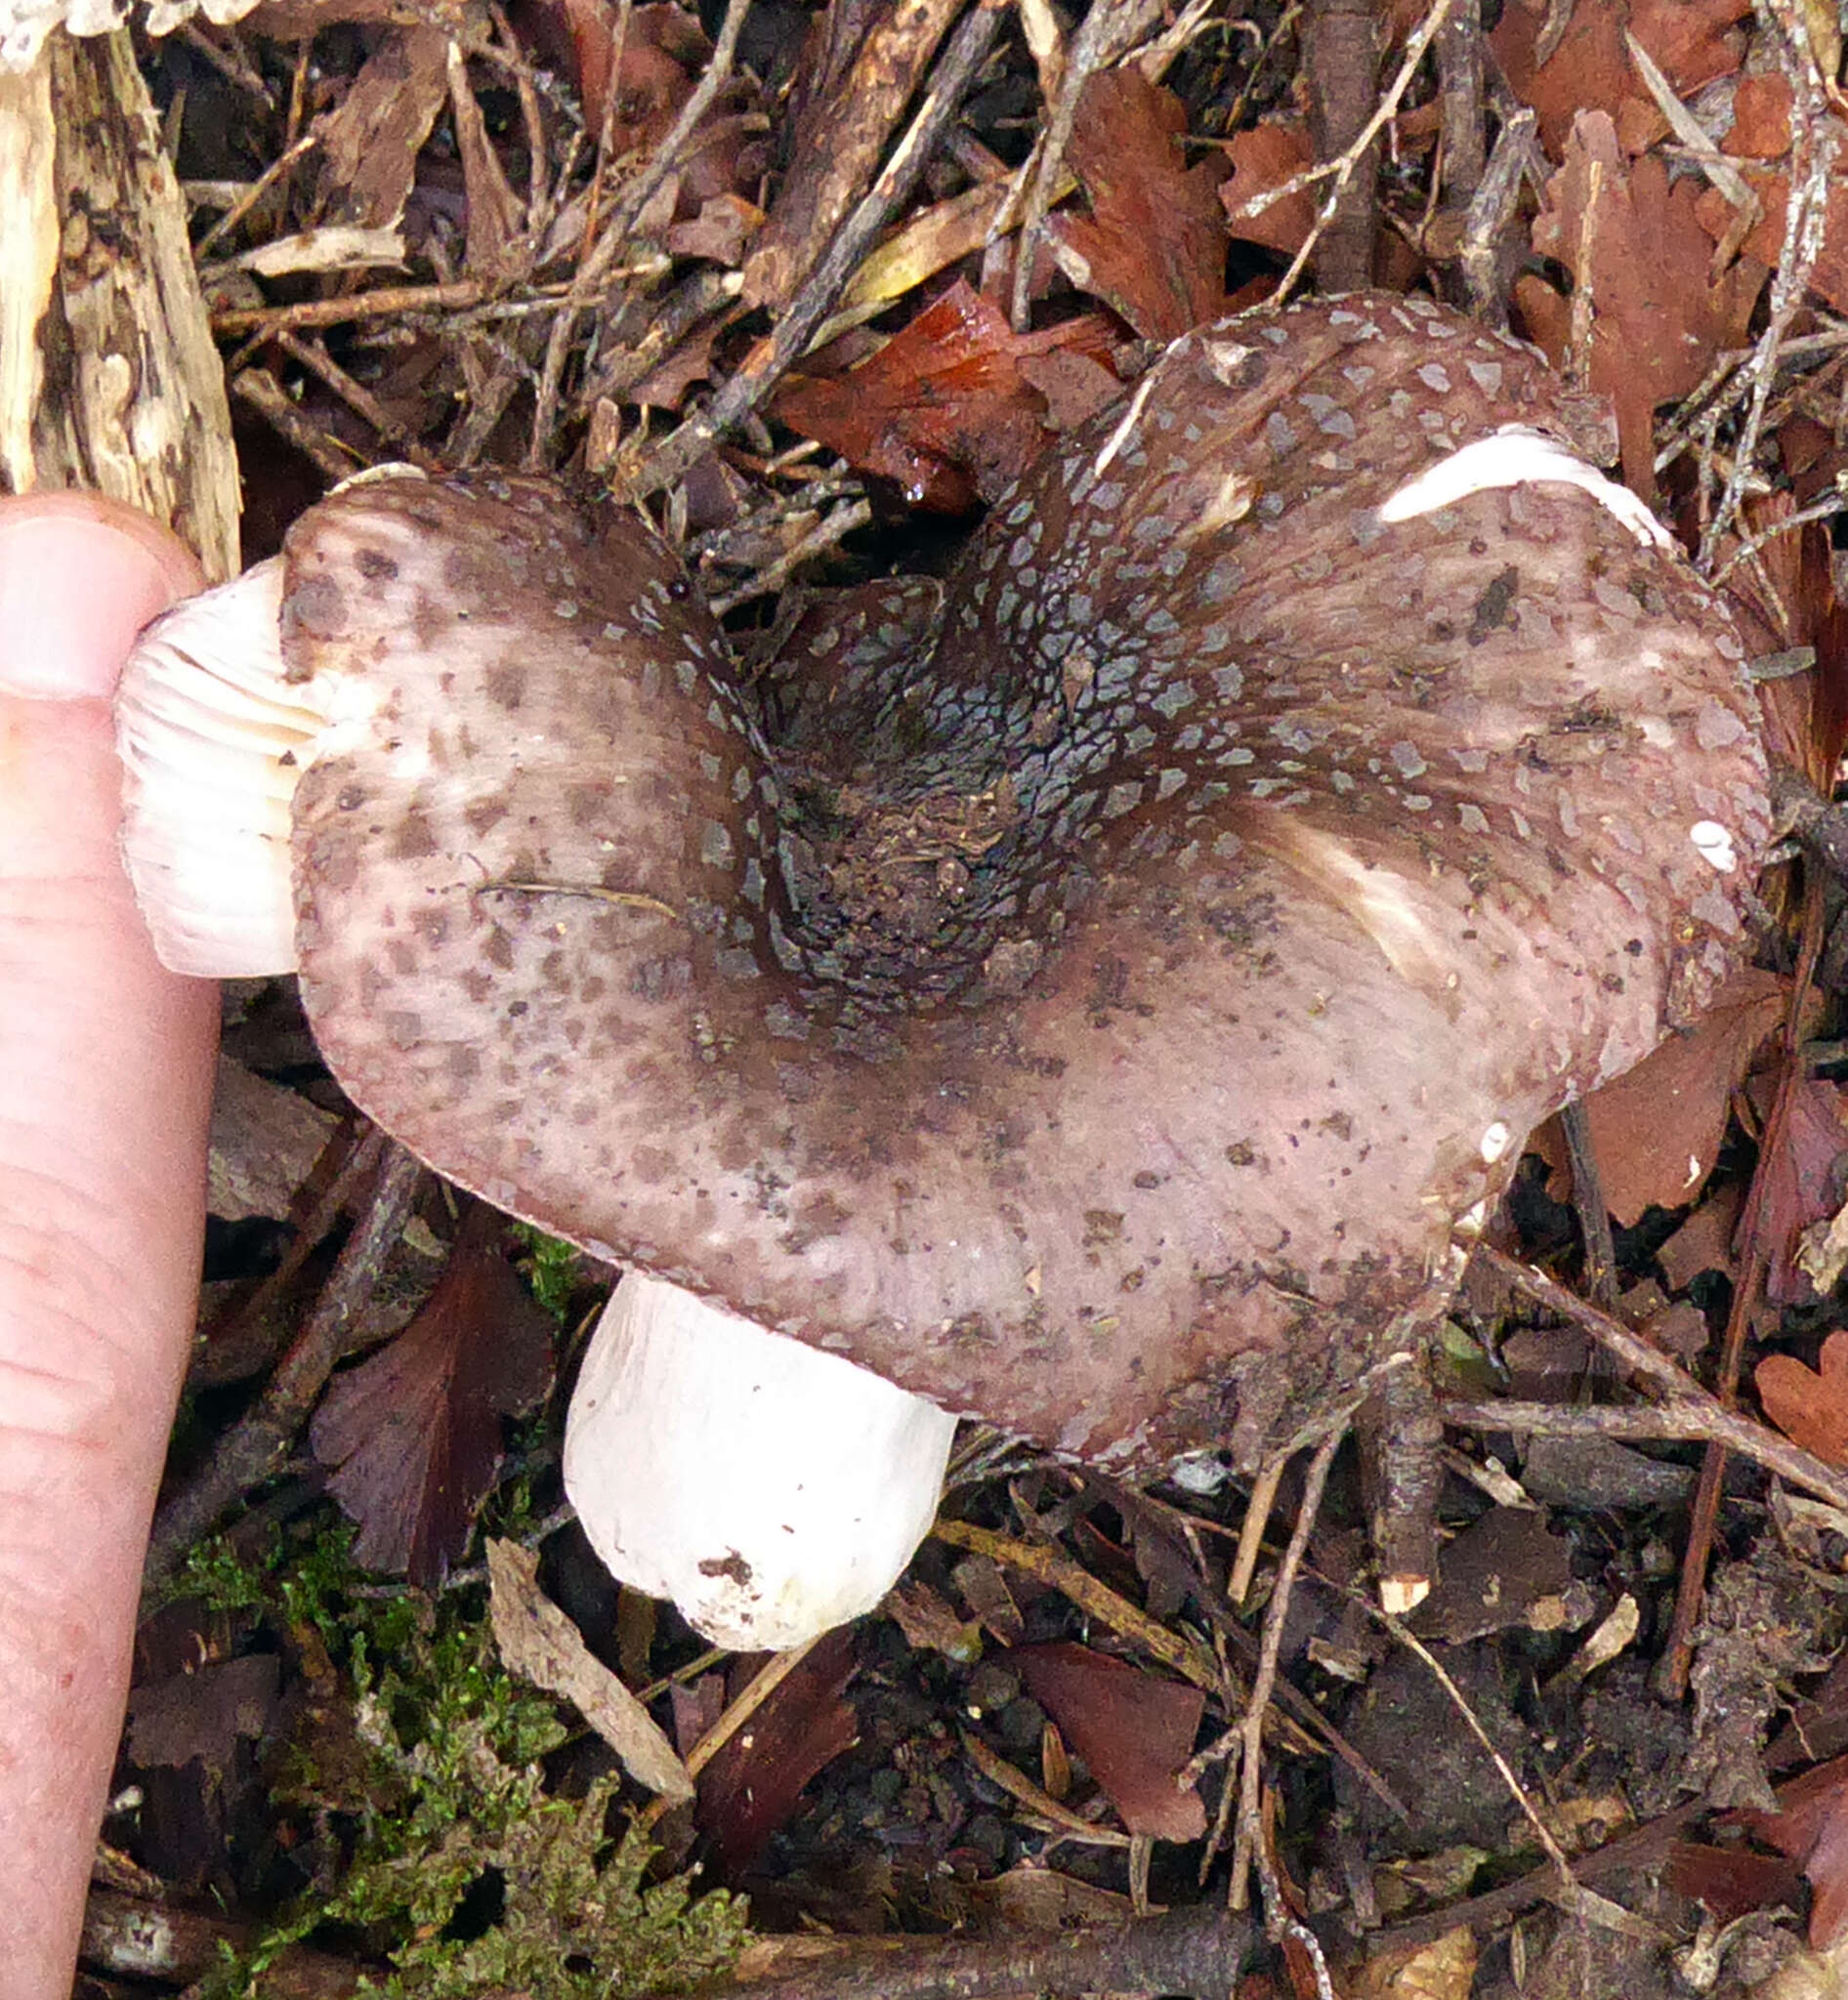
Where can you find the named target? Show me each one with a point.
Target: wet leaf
(1730, 1882)
(1799, 1181)
(942, 409)
(415, 1431)
(754, 1784)
(1134, 1730)
(1811, 1826)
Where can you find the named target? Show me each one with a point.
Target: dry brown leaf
(1443, 1969)
(539, 1643)
(1693, 42)
(1134, 1730)
(1809, 1405)
(1154, 244)
(1829, 276)
(1264, 156)
(1656, 1130)
(1639, 246)
(370, 142)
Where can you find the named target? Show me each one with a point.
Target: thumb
(79, 576)
(104, 1085)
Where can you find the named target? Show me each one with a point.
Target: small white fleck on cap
(1714, 844)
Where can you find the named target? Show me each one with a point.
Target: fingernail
(79, 576)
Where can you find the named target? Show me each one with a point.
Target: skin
(106, 1066)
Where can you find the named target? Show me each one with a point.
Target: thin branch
(257, 1445)
(765, 366)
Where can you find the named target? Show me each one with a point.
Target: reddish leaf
(751, 1787)
(1132, 1728)
(415, 1429)
(1656, 1130)
(942, 409)
(1154, 245)
(1798, 1183)
(1636, 241)
(1265, 156)
(1829, 276)
(1809, 1406)
(1811, 1826)
(1732, 1882)
(1693, 42)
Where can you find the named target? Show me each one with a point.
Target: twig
(1594, 1218)
(1691, 1412)
(765, 366)
(1257, 1518)
(596, 269)
(1677, 1658)
(1264, 1680)
(254, 1447)
(1199, 1951)
(1812, 163)
(1108, 30)
(386, 302)
(1340, 171)
(1341, 52)
(826, 534)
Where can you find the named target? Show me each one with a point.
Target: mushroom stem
(770, 1490)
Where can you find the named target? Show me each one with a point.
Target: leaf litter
(560, 289)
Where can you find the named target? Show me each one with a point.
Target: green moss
(459, 1868)
(551, 1268)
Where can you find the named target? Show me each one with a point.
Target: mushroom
(1094, 994)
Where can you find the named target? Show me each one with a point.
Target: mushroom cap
(1100, 1011)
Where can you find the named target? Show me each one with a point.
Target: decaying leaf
(264, 1141)
(1629, 236)
(931, 1625)
(753, 1783)
(1443, 1969)
(415, 1431)
(1134, 1730)
(1154, 244)
(203, 1713)
(943, 408)
(1656, 1130)
(1810, 1405)
(537, 1641)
